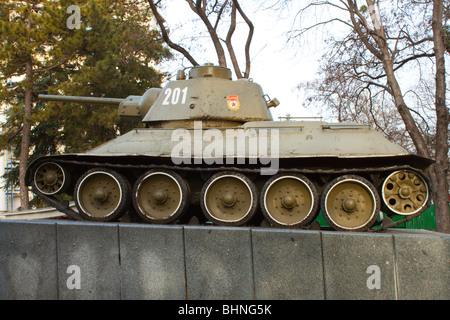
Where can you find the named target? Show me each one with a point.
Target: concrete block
(152, 261)
(358, 266)
(218, 263)
(28, 260)
(88, 261)
(287, 264)
(423, 267)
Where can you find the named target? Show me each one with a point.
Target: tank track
(322, 176)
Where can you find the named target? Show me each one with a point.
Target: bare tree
(384, 38)
(441, 167)
(212, 14)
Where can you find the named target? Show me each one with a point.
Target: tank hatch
(210, 71)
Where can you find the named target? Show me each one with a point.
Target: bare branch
(200, 9)
(357, 27)
(40, 70)
(228, 42)
(212, 14)
(160, 20)
(219, 14)
(249, 38)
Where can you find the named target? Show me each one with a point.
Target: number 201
(173, 96)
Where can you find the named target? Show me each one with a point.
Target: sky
(277, 65)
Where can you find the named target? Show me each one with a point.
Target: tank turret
(210, 150)
(208, 95)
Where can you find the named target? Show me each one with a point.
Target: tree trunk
(408, 120)
(440, 168)
(26, 126)
(26, 132)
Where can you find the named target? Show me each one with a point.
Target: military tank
(210, 144)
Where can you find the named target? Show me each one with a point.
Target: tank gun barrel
(92, 100)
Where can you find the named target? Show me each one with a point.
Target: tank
(210, 152)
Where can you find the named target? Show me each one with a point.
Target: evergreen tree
(110, 52)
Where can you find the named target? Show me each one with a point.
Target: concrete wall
(73, 260)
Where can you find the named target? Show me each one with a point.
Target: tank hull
(270, 155)
(282, 139)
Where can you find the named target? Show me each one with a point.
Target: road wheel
(229, 198)
(350, 203)
(102, 195)
(161, 196)
(289, 200)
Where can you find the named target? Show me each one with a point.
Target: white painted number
(166, 99)
(176, 95)
(173, 96)
(183, 100)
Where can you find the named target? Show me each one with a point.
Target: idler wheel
(289, 200)
(350, 203)
(405, 192)
(229, 198)
(102, 195)
(50, 178)
(160, 196)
